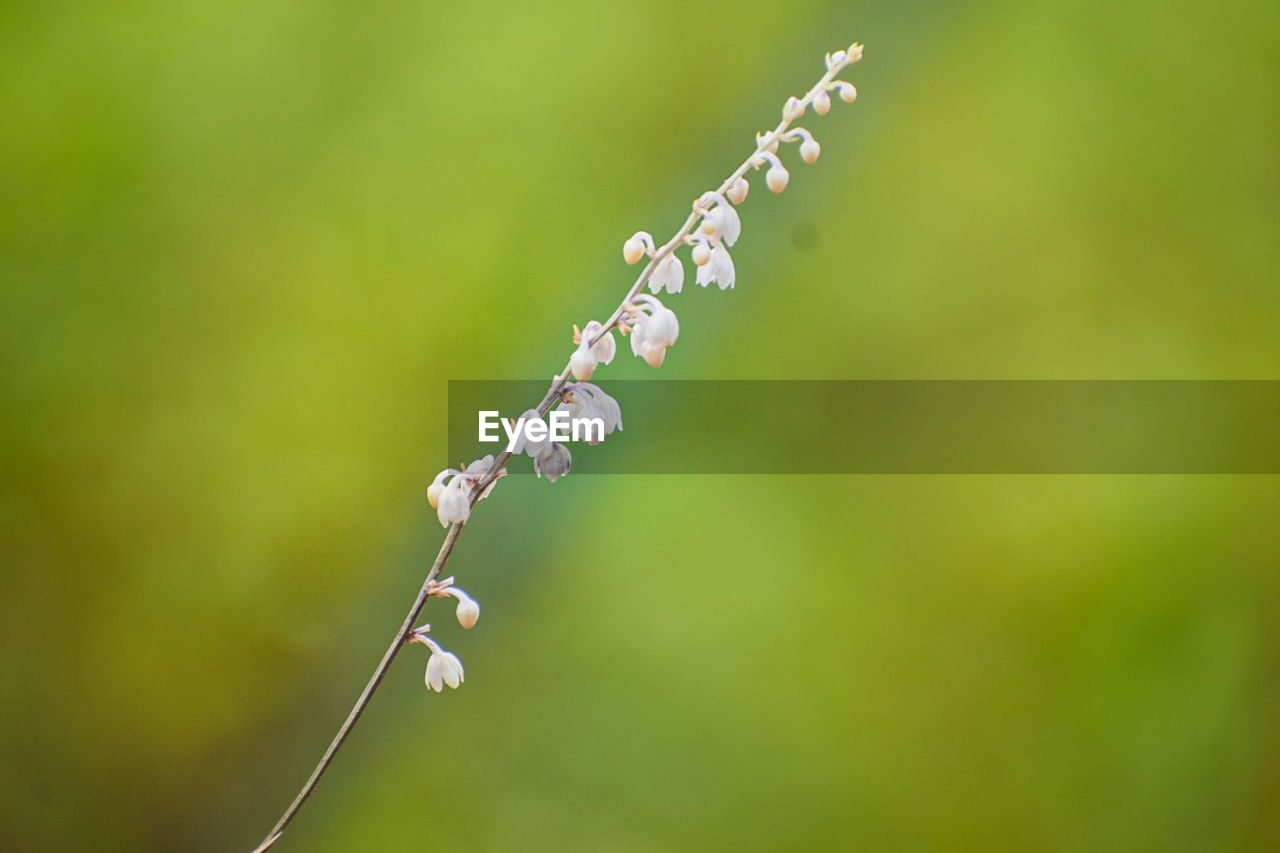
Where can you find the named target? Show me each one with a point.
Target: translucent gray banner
(904, 427)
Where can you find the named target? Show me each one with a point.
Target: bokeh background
(244, 245)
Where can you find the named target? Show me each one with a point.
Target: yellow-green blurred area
(244, 245)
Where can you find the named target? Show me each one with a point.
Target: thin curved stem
(365, 695)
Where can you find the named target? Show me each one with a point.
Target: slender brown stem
(365, 695)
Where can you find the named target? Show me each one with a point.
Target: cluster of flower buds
(717, 230)
(450, 492)
(710, 232)
(444, 667)
(668, 273)
(717, 222)
(778, 177)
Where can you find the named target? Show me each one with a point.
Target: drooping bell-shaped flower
(586, 357)
(721, 265)
(738, 191)
(553, 462)
(582, 363)
(714, 263)
(454, 506)
(582, 400)
(725, 224)
(437, 487)
(605, 348)
(653, 331)
(442, 667)
(524, 444)
(477, 471)
(667, 275)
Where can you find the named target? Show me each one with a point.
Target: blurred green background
(244, 245)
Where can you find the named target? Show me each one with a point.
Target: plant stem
(365, 695)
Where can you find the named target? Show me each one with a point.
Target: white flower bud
(822, 103)
(855, 52)
(442, 668)
(793, 108)
(838, 58)
(632, 250)
(847, 92)
(454, 503)
(468, 613)
(468, 610)
(701, 254)
(636, 246)
(554, 462)
(738, 192)
(809, 150)
(777, 177)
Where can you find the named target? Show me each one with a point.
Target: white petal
(668, 275)
(722, 264)
(434, 679)
(454, 506)
(437, 487)
(453, 674)
(654, 355)
(606, 348)
(670, 327)
(637, 335)
(705, 275)
(730, 224)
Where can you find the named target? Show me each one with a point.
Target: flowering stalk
(710, 229)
